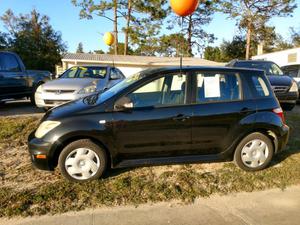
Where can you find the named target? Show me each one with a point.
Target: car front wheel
(82, 161)
(254, 152)
(33, 96)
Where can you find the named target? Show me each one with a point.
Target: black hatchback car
(284, 86)
(164, 116)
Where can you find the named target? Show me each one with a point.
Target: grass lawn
(26, 191)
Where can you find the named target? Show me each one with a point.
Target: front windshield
(269, 67)
(120, 86)
(85, 72)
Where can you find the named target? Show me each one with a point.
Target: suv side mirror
(123, 104)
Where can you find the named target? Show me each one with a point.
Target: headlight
(39, 89)
(45, 127)
(294, 87)
(89, 89)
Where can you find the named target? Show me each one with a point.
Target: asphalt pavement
(19, 108)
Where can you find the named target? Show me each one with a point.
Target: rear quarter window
(260, 87)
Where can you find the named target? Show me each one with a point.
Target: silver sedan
(75, 83)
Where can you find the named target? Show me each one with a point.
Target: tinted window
(168, 90)
(269, 67)
(214, 87)
(260, 86)
(9, 63)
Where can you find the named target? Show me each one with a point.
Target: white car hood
(69, 83)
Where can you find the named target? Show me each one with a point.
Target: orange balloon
(109, 38)
(184, 7)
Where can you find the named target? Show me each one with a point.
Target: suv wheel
(82, 160)
(288, 107)
(254, 152)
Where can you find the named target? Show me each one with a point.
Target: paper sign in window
(212, 87)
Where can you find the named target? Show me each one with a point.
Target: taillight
(279, 113)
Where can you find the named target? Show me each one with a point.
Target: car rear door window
(9, 63)
(217, 87)
(165, 91)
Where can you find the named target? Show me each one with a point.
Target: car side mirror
(123, 104)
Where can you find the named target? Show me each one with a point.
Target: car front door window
(164, 91)
(9, 63)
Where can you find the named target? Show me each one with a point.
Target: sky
(64, 17)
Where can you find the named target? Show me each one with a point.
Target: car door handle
(245, 110)
(181, 117)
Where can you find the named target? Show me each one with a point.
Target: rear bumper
(289, 97)
(39, 147)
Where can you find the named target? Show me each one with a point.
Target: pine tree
(80, 48)
(251, 15)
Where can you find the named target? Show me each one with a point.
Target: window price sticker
(212, 87)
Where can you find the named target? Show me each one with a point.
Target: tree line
(151, 29)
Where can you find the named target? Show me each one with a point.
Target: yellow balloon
(108, 38)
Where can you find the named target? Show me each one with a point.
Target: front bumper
(45, 99)
(39, 147)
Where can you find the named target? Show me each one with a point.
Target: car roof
(91, 66)
(254, 60)
(191, 68)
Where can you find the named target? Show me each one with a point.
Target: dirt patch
(16, 169)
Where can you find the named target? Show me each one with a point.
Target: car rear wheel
(254, 152)
(82, 161)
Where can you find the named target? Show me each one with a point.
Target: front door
(159, 123)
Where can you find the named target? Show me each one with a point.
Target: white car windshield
(85, 72)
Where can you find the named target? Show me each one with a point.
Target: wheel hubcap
(255, 153)
(82, 163)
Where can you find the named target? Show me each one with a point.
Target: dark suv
(163, 116)
(285, 87)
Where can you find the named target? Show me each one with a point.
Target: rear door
(219, 107)
(13, 81)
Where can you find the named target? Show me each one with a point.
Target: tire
(252, 160)
(32, 96)
(288, 107)
(77, 166)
